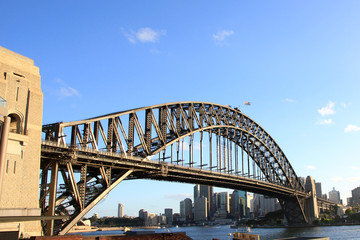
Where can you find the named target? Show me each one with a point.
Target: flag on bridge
(247, 103)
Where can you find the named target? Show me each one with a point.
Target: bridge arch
(137, 134)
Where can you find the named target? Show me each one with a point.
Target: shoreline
(79, 229)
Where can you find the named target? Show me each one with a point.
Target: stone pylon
(311, 207)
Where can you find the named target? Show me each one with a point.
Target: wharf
(145, 235)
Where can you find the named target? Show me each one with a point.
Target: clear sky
(297, 62)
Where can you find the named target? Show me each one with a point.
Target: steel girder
(149, 131)
(73, 197)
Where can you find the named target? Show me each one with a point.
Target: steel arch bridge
(190, 142)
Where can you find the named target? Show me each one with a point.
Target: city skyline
(296, 63)
(332, 195)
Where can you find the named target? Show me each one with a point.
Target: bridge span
(190, 142)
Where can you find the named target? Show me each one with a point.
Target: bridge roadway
(105, 150)
(161, 170)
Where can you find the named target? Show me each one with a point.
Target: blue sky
(298, 63)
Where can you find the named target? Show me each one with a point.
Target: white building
(120, 210)
(334, 196)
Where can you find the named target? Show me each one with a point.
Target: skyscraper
(355, 195)
(222, 204)
(169, 216)
(196, 191)
(186, 210)
(200, 209)
(238, 204)
(318, 190)
(207, 192)
(334, 196)
(120, 210)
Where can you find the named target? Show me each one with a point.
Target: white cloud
(221, 36)
(65, 90)
(328, 109)
(354, 167)
(353, 179)
(311, 167)
(352, 128)
(337, 179)
(178, 197)
(325, 121)
(69, 91)
(289, 100)
(143, 35)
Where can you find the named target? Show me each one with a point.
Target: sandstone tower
(21, 102)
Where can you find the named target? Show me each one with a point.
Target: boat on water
(243, 229)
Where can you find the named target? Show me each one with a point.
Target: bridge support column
(311, 207)
(49, 231)
(294, 211)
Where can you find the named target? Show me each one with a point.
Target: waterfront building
(151, 219)
(249, 205)
(334, 196)
(169, 216)
(21, 102)
(196, 191)
(207, 192)
(238, 204)
(176, 217)
(120, 210)
(264, 204)
(222, 204)
(200, 209)
(355, 195)
(142, 213)
(186, 210)
(318, 189)
(162, 219)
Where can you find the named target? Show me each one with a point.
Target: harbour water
(223, 232)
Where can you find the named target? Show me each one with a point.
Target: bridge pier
(311, 206)
(294, 211)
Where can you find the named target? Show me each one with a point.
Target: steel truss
(164, 142)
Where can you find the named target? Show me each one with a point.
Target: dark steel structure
(191, 142)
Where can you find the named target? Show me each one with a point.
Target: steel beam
(49, 230)
(94, 202)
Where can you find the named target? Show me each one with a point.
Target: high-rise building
(222, 204)
(186, 210)
(142, 213)
(355, 195)
(151, 219)
(196, 191)
(200, 209)
(238, 204)
(169, 216)
(334, 196)
(318, 189)
(264, 204)
(207, 192)
(21, 103)
(120, 210)
(249, 204)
